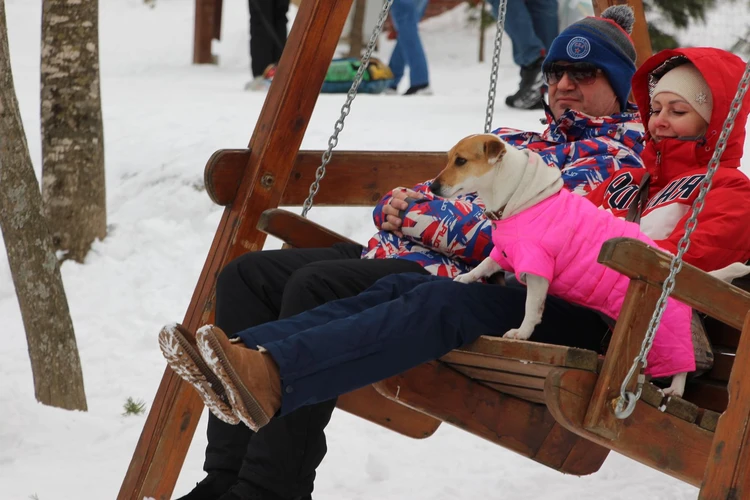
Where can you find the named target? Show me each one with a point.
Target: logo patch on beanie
(578, 48)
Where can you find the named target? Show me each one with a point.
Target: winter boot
(244, 490)
(419, 90)
(250, 378)
(178, 347)
(530, 92)
(215, 484)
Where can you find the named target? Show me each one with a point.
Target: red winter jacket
(678, 166)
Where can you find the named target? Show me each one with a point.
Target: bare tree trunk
(55, 364)
(72, 133)
(355, 31)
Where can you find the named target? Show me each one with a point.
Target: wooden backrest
(353, 178)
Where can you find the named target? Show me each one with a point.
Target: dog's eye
(460, 161)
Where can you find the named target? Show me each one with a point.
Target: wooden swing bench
(548, 403)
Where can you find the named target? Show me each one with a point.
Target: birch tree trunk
(55, 364)
(72, 134)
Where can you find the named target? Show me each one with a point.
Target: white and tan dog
(508, 183)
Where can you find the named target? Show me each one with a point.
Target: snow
(163, 119)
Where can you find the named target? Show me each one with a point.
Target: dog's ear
(494, 150)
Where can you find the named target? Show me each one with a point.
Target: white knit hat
(687, 82)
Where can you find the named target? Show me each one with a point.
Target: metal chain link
(626, 401)
(495, 64)
(346, 108)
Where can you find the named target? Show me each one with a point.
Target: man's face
(581, 87)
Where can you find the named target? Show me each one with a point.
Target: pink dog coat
(559, 239)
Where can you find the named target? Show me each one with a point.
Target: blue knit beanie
(604, 42)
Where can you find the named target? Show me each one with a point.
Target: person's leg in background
(406, 15)
(528, 52)
(267, 40)
(249, 292)
(397, 62)
(546, 19)
(280, 10)
(543, 15)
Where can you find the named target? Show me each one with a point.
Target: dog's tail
(732, 271)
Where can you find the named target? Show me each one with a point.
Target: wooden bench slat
(493, 363)
(708, 419)
(503, 378)
(295, 230)
(368, 404)
(570, 357)
(680, 408)
(527, 393)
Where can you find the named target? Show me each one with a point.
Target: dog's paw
(672, 391)
(466, 278)
(677, 388)
(517, 334)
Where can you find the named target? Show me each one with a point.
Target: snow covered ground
(163, 119)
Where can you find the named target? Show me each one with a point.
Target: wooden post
(640, 37)
(728, 469)
(207, 27)
(278, 134)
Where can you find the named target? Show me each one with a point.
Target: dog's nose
(435, 187)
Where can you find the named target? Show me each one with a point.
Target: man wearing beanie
(585, 52)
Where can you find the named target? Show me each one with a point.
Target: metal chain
(495, 64)
(626, 401)
(346, 108)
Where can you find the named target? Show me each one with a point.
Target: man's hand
(391, 220)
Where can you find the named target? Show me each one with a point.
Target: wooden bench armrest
(297, 231)
(647, 269)
(694, 287)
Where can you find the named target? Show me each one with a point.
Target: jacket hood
(723, 72)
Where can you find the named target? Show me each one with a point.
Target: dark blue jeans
(398, 323)
(532, 25)
(409, 50)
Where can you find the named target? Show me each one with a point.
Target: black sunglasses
(580, 73)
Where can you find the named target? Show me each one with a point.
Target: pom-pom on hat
(604, 42)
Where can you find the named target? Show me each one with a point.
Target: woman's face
(673, 116)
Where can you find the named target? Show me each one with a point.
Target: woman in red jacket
(704, 80)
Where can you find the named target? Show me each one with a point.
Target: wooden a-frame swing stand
(549, 403)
